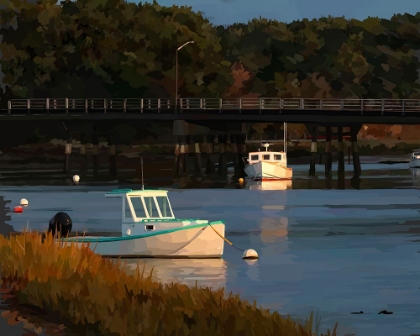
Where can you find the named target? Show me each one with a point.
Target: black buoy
(385, 312)
(60, 224)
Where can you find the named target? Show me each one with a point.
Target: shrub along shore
(89, 293)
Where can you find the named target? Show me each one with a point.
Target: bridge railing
(185, 105)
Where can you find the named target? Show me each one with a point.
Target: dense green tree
(110, 48)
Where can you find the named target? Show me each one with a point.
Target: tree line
(112, 48)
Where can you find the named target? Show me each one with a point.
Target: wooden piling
(112, 157)
(67, 153)
(354, 130)
(328, 156)
(341, 150)
(314, 150)
(222, 168)
(197, 155)
(209, 148)
(83, 156)
(176, 152)
(241, 147)
(95, 152)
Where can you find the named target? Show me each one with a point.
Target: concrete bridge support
(328, 156)
(222, 168)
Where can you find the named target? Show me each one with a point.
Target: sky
(231, 11)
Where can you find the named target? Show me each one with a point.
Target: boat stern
(207, 243)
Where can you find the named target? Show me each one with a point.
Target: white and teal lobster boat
(149, 229)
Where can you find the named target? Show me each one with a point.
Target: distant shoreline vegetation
(117, 49)
(91, 295)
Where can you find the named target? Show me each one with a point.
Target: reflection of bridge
(300, 110)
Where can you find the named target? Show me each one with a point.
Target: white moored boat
(415, 160)
(149, 229)
(267, 165)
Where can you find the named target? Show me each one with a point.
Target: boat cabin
(140, 205)
(275, 157)
(415, 156)
(267, 156)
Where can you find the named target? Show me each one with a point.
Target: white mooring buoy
(24, 202)
(76, 179)
(250, 254)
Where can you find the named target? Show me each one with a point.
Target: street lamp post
(176, 72)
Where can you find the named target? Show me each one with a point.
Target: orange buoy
(18, 209)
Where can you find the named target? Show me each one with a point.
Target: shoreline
(99, 287)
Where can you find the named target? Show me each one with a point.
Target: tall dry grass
(88, 292)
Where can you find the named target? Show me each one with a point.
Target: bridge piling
(314, 149)
(176, 152)
(197, 155)
(241, 146)
(209, 145)
(67, 153)
(95, 151)
(112, 158)
(83, 156)
(222, 168)
(182, 162)
(354, 130)
(341, 150)
(328, 156)
(234, 151)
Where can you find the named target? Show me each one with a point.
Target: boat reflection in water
(270, 185)
(206, 272)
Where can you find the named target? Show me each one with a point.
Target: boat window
(266, 157)
(254, 157)
(127, 212)
(151, 206)
(163, 203)
(277, 157)
(138, 207)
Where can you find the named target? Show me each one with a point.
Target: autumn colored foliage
(112, 48)
(89, 293)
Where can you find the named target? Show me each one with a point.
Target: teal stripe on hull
(146, 235)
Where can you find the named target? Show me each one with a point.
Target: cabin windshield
(151, 206)
(165, 208)
(138, 207)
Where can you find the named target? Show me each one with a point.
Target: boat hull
(414, 163)
(194, 241)
(267, 171)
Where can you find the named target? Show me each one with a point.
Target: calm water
(328, 251)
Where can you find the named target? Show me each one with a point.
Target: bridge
(265, 109)
(215, 114)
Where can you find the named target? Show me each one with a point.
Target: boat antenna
(142, 179)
